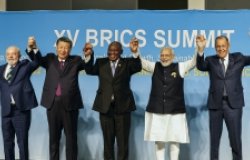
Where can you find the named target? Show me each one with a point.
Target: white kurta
(167, 127)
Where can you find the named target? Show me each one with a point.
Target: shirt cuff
(136, 55)
(34, 50)
(87, 58)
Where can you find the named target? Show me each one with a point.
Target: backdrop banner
(154, 29)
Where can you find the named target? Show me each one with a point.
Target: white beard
(12, 62)
(165, 64)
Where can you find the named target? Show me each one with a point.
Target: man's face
(114, 52)
(167, 56)
(222, 48)
(63, 50)
(12, 56)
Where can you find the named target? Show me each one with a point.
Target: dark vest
(167, 94)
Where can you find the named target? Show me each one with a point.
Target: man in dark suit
(225, 97)
(114, 99)
(61, 95)
(17, 100)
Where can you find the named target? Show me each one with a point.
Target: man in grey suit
(225, 97)
(114, 99)
(17, 100)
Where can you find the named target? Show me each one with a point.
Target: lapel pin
(173, 74)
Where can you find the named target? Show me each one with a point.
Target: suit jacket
(117, 85)
(68, 79)
(232, 79)
(20, 87)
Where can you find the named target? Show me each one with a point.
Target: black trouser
(115, 126)
(58, 119)
(17, 123)
(233, 118)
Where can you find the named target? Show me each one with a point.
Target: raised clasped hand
(200, 42)
(134, 45)
(32, 42)
(88, 49)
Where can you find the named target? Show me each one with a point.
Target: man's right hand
(200, 43)
(134, 45)
(88, 49)
(31, 43)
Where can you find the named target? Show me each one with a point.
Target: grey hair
(167, 48)
(16, 48)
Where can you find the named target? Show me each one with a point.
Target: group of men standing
(114, 100)
(62, 98)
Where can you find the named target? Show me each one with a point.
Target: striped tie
(9, 74)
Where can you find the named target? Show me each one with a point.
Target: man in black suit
(225, 97)
(114, 99)
(61, 95)
(17, 100)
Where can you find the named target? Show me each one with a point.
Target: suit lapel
(56, 65)
(230, 65)
(118, 67)
(67, 63)
(219, 67)
(107, 67)
(2, 71)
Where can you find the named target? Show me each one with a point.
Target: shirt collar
(116, 61)
(63, 60)
(227, 57)
(9, 66)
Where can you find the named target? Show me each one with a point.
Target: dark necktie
(59, 89)
(61, 64)
(113, 67)
(113, 73)
(9, 74)
(223, 65)
(224, 73)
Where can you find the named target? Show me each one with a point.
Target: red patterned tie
(61, 63)
(59, 89)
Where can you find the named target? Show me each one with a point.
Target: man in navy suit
(17, 100)
(61, 94)
(225, 97)
(114, 99)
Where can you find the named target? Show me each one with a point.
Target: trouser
(233, 118)
(59, 119)
(115, 126)
(16, 123)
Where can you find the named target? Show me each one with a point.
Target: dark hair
(221, 37)
(64, 39)
(116, 43)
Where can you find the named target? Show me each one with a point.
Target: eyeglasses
(86, 49)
